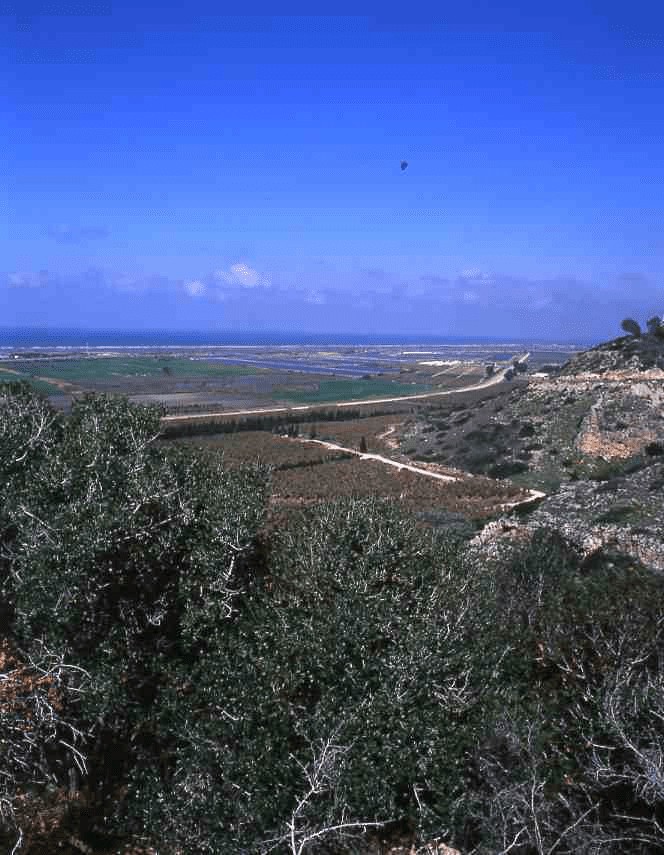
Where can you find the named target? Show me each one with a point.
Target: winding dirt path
(533, 495)
(498, 377)
(367, 455)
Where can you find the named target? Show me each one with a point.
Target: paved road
(533, 495)
(483, 384)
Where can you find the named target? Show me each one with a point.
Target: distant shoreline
(41, 338)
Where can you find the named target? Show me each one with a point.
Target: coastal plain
(329, 422)
(189, 380)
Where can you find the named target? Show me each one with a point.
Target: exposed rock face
(553, 430)
(625, 353)
(624, 517)
(591, 437)
(600, 423)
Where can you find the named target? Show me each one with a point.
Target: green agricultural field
(104, 368)
(349, 390)
(38, 385)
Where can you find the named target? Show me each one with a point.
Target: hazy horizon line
(273, 334)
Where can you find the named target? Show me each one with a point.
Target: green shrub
(527, 429)
(629, 325)
(619, 514)
(607, 469)
(654, 324)
(117, 557)
(359, 639)
(563, 766)
(250, 695)
(506, 468)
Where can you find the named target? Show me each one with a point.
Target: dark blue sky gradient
(173, 167)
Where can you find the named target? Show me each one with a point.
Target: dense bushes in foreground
(351, 679)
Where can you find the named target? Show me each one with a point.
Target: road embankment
(190, 418)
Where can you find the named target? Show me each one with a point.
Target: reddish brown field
(306, 473)
(350, 433)
(473, 497)
(263, 447)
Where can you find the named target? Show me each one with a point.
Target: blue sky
(172, 167)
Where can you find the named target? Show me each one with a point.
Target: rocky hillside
(621, 354)
(620, 517)
(590, 437)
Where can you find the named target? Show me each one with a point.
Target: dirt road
(533, 495)
(61, 384)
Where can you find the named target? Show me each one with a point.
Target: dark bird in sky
(404, 165)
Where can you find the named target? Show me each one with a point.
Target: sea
(60, 338)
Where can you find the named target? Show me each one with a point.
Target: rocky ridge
(611, 499)
(627, 353)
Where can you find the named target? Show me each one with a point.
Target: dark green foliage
(507, 468)
(29, 430)
(479, 459)
(657, 482)
(117, 555)
(631, 326)
(277, 423)
(564, 765)
(116, 532)
(351, 669)
(608, 469)
(654, 325)
(359, 638)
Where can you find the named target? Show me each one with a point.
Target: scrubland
(183, 671)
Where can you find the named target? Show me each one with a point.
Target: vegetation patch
(35, 383)
(348, 390)
(174, 674)
(238, 449)
(620, 514)
(607, 469)
(91, 369)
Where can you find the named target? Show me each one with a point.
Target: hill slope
(592, 437)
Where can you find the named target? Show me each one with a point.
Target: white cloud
(242, 275)
(27, 280)
(195, 288)
(315, 297)
(474, 274)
